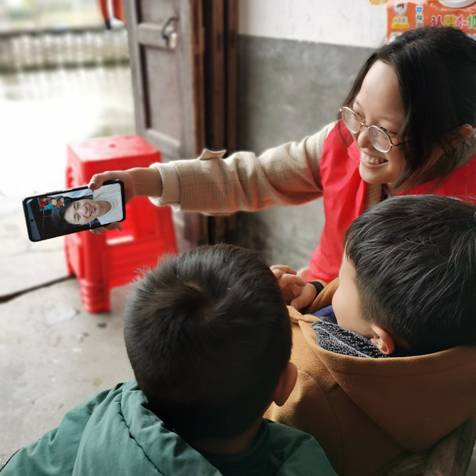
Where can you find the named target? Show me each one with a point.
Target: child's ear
(285, 385)
(383, 340)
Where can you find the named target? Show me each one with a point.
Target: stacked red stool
(115, 257)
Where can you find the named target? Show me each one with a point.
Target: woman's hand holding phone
(62, 212)
(124, 176)
(137, 181)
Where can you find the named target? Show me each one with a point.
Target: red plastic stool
(101, 262)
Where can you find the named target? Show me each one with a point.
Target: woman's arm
(283, 175)
(137, 181)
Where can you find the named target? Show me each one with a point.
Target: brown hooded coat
(365, 412)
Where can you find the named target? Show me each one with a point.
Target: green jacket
(115, 434)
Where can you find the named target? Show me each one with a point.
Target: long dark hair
(59, 221)
(436, 70)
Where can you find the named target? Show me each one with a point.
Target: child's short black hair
(208, 336)
(415, 261)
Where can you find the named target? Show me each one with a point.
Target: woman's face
(82, 211)
(379, 103)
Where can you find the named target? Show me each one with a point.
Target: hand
(280, 269)
(296, 292)
(288, 280)
(98, 180)
(145, 181)
(112, 226)
(307, 295)
(124, 176)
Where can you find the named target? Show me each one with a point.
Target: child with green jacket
(209, 339)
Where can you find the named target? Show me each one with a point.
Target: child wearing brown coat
(396, 372)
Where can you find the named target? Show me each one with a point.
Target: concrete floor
(53, 355)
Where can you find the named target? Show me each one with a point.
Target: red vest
(344, 194)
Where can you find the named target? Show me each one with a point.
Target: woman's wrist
(147, 181)
(318, 286)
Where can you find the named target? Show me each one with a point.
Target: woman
(101, 207)
(407, 126)
(84, 211)
(104, 205)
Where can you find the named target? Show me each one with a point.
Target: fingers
(113, 226)
(280, 270)
(291, 280)
(124, 176)
(283, 269)
(98, 180)
(300, 302)
(289, 284)
(102, 229)
(305, 298)
(98, 231)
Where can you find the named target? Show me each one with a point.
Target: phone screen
(68, 211)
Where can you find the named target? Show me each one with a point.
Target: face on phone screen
(69, 211)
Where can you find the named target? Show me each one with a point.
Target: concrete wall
(296, 61)
(340, 22)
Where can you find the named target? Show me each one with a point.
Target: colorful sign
(409, 14)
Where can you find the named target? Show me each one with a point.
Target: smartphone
(68, 211)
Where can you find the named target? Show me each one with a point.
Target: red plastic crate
(114, 258)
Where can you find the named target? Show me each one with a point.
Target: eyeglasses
(378, 136)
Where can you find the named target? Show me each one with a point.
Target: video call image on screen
(61, 213)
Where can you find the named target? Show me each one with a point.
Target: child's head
(408, 278)
(209, 340)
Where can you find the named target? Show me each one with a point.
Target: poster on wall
(409, 14)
